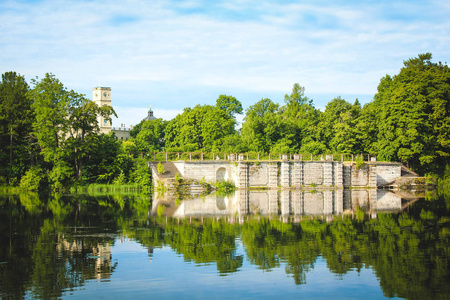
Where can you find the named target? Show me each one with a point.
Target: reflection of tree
(207, 242)
(46, 246)
(49, 248)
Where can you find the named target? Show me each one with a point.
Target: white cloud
(161, 51)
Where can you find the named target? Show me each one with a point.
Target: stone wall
(208, 170)
(388, 172)
(285, 203)
(364, 176)
(290, 174)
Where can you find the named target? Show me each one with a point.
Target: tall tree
(229, 104)
(263, 126)
(414, 114)
(63, 121)
(199, 128)
(301, 119)
(338, 126)
(15, 125)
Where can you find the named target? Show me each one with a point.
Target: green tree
(263, 126)
(338, 125)
(230, 105)
(15, 127)
(301, 120)
(64, 124)
(150, 136)
(199, 128)
(413, 114)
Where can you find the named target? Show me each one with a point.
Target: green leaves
(413, 114)
(202, 128)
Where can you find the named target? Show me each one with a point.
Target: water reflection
(285, 203)
(53, 246)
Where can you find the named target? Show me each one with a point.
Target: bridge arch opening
(220, 202)
(221, 174)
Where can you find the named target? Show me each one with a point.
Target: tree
(301, 119)
(413, 114)
(64, 121)
(199, 128)
(263, 126)
(150, 136)
(230, 105)
(15, 126)
(338, 124)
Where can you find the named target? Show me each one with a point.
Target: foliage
(16, 116)
(200, 128)
(141, 175)
(413, 114)
(230, 105)
(160, 168)
(225, 186)
(33, 179)
(149, 135)
(56, 129)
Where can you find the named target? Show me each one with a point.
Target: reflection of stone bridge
(297, 202)
(286, 173)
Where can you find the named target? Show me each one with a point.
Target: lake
(317, 244)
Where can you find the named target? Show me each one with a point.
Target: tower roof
(150, 115)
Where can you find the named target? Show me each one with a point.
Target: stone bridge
(285, 174)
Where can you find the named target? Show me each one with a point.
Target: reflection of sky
(168, 276)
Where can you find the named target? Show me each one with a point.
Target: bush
(160, 168)
(32, 179)
(225, 186)
(141, 174)
(120, 179)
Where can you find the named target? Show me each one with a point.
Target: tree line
(50, 134)
(408, 121)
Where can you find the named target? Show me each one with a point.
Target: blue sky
(175, 54)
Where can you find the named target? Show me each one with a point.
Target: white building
(102, 96)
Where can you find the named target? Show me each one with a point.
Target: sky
(173, 54)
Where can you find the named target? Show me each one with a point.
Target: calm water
(266, 244)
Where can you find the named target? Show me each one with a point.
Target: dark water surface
(295, 244)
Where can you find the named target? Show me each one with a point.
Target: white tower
(102, 96)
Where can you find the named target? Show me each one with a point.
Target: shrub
(225, 186)
(178, 178)
(360, 164)
(120, 179)
(160, 169)
(32, 179)
(141, 175)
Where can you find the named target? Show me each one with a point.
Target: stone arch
(221, 174)
(220, 202)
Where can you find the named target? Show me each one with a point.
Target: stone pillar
(373, 199)
(328, 202)
(296, 174)
(242, 176)
(346, 175)
(285, 174)
(273, 202)
(327, 173)
(338, 201)
(285, 202)
(338, 174)
(243, 204)
(372, 175)
(272, 170)
(297, 202)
